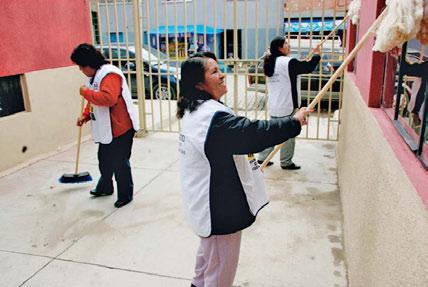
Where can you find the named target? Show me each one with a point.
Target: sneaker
(291, 167)
(96, 193)
(268, 164)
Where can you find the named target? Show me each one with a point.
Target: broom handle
(79, 137)
(333, 78)
(328, 36)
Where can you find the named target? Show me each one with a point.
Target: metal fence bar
(279, 21)
(99, 23)
(149, 58)
(108, 30)
(215, 27)
(320, 72)
(204, 11)
(310, 75)
(185, 29)
(168, 80)
(126, 36)
(177, 72)
(288, 22)
(225, 56)
(266, 46)
(257, 62)
(332, 53)
(342, 79)
(159, 84)
(235, 57)
(116, 22)
(246, 56)
(195, 34)
(139, 68)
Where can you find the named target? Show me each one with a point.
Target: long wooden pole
(333, 78)
(328, 36)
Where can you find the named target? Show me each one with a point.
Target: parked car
(156, 72)
(257, 80)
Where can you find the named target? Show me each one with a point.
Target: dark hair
(86, 55)
(270, 59)
(192, 73)
(204, 55)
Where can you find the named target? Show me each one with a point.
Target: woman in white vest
(222, 190)
(113, 121)
(283, 87)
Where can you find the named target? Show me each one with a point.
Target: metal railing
(149, 39)
(411, 122)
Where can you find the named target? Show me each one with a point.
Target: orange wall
(40, 34)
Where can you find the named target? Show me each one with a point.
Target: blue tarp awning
(200, 29)
(305, 26)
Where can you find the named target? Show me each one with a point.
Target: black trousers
(113, 158)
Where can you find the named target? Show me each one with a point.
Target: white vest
(101, 125)
(196, 172)
(280, 103)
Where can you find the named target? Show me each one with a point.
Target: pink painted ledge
(411, 165)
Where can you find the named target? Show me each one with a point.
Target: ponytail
(270, 59)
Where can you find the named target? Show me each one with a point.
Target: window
(11, 96)
(409, 109)
(114, 37)
(96, 29)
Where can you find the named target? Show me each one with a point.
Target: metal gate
(149, 39)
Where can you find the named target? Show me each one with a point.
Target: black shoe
(268, 164)
(95, 193)
(191, 285)
(120, 203)
(291, 167)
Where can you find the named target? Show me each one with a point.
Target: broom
(77, 177)
(333, 78)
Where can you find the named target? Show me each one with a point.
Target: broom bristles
(75, 178)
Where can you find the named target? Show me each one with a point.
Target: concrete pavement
(57, 235)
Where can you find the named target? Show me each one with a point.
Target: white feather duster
(354, 11)
(422, 35)
(400, 24)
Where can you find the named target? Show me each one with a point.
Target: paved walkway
(57, 235)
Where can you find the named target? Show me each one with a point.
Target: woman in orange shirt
(113, 121)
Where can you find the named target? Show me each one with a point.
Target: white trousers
(217, 260)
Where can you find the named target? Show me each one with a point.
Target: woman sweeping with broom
(113, 120)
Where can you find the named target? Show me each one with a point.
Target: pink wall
(369, 80)
(41, 34)
(417, 174)
(368, 77)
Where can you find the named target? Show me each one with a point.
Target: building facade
(383, 184)
(39, 97)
